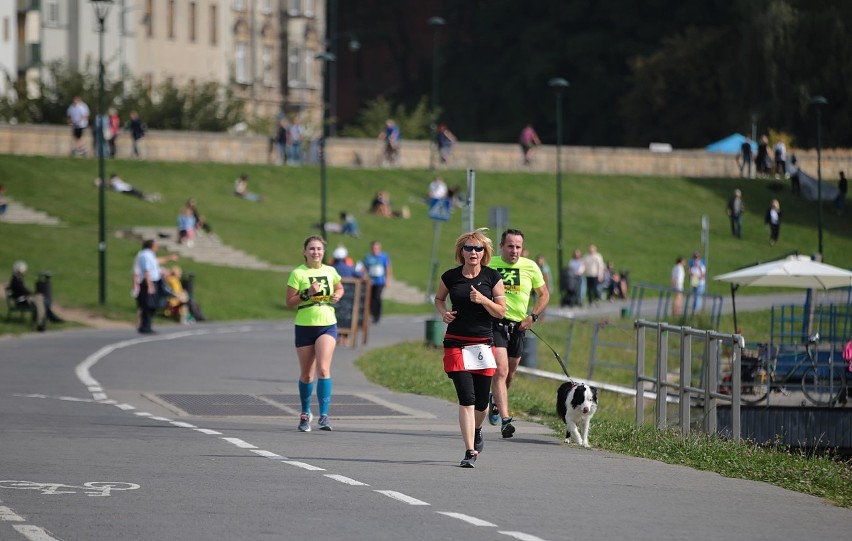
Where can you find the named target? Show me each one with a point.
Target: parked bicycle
(822, 383)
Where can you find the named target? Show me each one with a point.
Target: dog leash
(558, 358)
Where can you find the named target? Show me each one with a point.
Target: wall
(234, 148)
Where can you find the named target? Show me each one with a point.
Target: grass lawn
(641, 223)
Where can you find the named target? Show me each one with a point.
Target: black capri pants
(472, 389)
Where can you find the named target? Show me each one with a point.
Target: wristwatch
(534, 317)
(304, 295)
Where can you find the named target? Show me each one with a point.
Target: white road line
(108, 402)
(347, 480)
(240, 443)
(7, 515)
(522, 536)
(142, 413)
(401, 497)
(99, 396)
(164, 419)
(467, 518)
(125, 407)
(267, 454)
(303, 465)
(182, 424)
(208, 431)
(34, 533)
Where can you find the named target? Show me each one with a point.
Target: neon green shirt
(519, 280)
(317, 311)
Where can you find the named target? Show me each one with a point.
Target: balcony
(29, 56)
(29, 5)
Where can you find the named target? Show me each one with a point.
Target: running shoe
(324, 423)
(507, 428)
(305, 422)
(493, 413)
(469, 458)
(478, 442)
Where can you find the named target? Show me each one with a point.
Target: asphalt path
(89, 450)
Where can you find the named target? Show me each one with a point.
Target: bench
(21, 309)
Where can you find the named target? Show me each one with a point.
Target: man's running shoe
(305, 422)
(469, 458)
(478, 442)
(493, 413)
(507, 428)
(324, 423)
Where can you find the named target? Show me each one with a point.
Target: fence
(708, 394)
(661, 299)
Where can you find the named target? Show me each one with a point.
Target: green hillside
(641, 223)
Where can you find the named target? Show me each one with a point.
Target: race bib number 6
(478, 357)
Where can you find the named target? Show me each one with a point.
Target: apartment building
(265, 49)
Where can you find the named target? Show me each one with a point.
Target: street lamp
(818, 102)
(559, 85)
(327, 59)
(101, 12)
(436, 23)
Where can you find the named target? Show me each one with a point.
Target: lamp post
(559, 85)
(327, 58)
(436, 23)
(101, 12)
(818, 102)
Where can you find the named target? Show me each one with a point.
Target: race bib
(478, 357)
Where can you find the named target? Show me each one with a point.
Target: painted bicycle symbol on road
(92, 488)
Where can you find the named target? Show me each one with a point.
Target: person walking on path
(312, 289)
(137, 132)
(594, 265)
(678, 276)
(477, 296)
(380, 271)
(735, 213)
(148, 283)
(528, 141)
(78, 118)
(521, 276)
(744, 157)
(697, 280)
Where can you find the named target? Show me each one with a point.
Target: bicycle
(823, 384)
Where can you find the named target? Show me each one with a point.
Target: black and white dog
(576, 403)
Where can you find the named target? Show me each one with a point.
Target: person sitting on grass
(118, 184)
(241, 190)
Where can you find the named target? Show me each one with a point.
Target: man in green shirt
(521, 276)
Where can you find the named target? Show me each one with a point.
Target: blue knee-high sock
(305, 392)
(324, 395)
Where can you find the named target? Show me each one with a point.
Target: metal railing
(708, 393)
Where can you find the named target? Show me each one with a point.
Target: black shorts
(508, 335)
(77, 132)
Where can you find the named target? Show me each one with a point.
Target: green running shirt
(313, 314)
(519, 280)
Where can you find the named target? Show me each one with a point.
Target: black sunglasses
(468, 248)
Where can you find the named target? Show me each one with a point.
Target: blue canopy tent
(730, 145)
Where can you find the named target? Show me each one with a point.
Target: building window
(308, 6)
(5, 29)
(214, 25)
(295, 7)
(266, 7)
(241, 63)
(268, 79)
(240, 5)
(149, 18)
(295, 67)
(170, 20)
(192, 22)
(51, 13)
